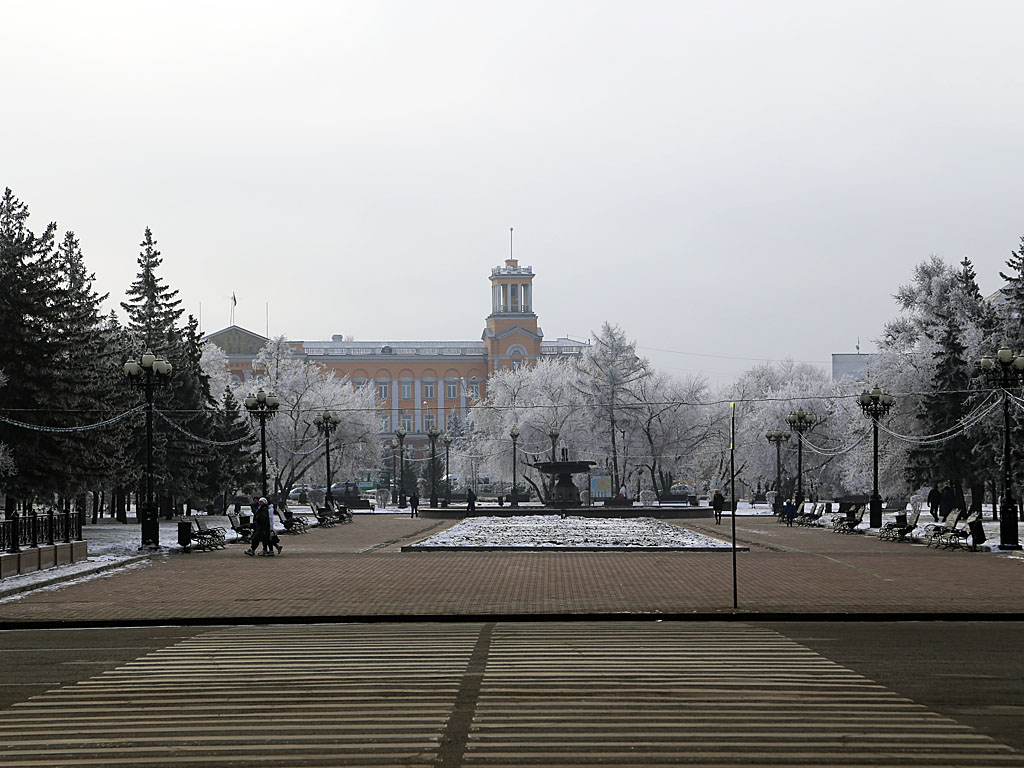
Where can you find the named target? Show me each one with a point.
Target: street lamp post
(447, 440)
(394, 482)
(1006, 371)
(149, 371)
(262, 406)
(876, 405)
(514, 496)
(800, 421)
(778, 437)
(326, 423)
(553, 434)
(432, 433)
(400, 434)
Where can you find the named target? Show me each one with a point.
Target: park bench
(203, 539)
(841, 514)
(812, 516)
(901, 528)
(934, 531)
(243, 530)
(291, 523)
(955, 537)
(324, 517)
(849, 524)
(217, 532)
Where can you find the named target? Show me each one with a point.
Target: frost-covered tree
(152, 306)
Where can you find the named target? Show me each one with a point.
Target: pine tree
(152, 307)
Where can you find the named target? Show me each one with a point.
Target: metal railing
(39, 528)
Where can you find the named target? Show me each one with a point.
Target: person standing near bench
(790, 512)
(718, 504)
(470, 502)
(414, 505)
(260, 528)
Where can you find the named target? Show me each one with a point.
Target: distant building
(853, 367)
(420, 384)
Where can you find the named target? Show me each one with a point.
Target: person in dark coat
(414, 505)
(718, 504)
(934, 501)
(470, 502)
(260, 528)
(790, 511)
(948, 501)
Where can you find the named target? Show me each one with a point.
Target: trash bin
(185, 534)
(977, 533)
(901, 519)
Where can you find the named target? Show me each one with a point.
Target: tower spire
(510, 242)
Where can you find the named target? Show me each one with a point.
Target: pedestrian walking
(470, 502)
(261, 528)
(414, 505)
(718, 504)
(948, 501)
(934, 502)
(790, 512)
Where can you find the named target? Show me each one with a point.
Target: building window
(407, 390)
(429, 420)
(407, 422)
(453, 390)
(382, 391)
(385, 423)
(428, 390)
(474, 389)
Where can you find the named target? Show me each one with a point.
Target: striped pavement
(487, 694)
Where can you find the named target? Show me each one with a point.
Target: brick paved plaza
(357, 571)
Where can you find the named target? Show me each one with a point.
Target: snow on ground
(569, 532)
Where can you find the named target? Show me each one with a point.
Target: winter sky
(727, 181)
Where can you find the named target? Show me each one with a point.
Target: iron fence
(38, 528)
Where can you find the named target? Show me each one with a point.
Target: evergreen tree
(152, 307)
(27, 306)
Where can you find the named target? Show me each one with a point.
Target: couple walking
(263, 529)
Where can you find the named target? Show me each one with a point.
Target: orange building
(421, 384)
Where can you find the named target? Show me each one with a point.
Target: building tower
(512, 336)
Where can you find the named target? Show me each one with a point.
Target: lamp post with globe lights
(400, 434)
(326, 423)
(262, 406)
(876, 405)
(1006, 370)
(432, 433)
(553, 434)
(447, 440)
(394, 481)
(514, 496)
(777, 437)
(800, 421)
(148, 371)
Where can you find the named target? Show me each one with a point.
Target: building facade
(420, 384)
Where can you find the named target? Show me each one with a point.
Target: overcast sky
(727, 181)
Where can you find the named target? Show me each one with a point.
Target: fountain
(565, 494)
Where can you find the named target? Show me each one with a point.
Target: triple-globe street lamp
(326, 423)
(400, 434)
(876, 405)
(800, 421)
(777, 437)
(149, 371)
(1006, 370)
(432, 433)
(447, 440)
(262, 406)
(514, 496)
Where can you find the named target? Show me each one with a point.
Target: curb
(16, 590)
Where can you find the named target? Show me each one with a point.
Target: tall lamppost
(326, 423)
(400, 434)
(553, 434)
(514, 496)
(432, 433)
(800, 421)
(394, 481)
(876, 405)
(149, 371)
(1006, 371)
(262, 406)
(778, 437)
(447, 440)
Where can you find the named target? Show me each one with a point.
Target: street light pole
(400, 434)
(514, 496)
(447, 470)
(262, 406)
(800, 421)
(432, 433)
(326, 423)
(778, 437)
(876, 405)
(1006, 370)
(394, 482)
(143, 371)
(553, 434)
